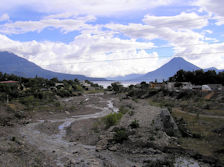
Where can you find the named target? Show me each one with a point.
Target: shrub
(120, 135)
(29, 100)
(64, 93)
(152, 138)
(112, 119)
(134, 124)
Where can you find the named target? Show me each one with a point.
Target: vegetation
(112, 119)
(198, 77)
(134, 124)
(121, 134)
(31, 89)
(208, 140)
(116, 87)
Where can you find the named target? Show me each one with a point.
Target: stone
(67, 112)
(169, 125)
(113, 148)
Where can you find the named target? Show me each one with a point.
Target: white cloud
(181, 21)
(92, 7)
(87, 48)
(65, 25)
(186, 42)
(4, 17)
(179, 37)
(213, 7)
(93, 44)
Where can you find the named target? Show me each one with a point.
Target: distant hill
(168, 70)
(13, 64)
(162, 73)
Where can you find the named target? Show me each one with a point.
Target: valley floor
(79, 138)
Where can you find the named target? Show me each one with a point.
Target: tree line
(198, 77)
(39, 88)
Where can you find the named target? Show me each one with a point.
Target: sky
(108, 38)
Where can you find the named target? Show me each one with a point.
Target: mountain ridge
(168, 70)
(13, 64)
(165, 71)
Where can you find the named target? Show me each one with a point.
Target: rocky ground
(76, 137)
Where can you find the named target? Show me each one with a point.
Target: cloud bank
(188, 34)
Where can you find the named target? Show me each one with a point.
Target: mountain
(168, 70)
(13, 64)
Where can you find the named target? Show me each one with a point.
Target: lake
(105, 84)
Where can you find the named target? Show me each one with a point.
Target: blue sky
(55, 34)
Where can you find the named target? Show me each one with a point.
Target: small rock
(68, 113)
(113, 148)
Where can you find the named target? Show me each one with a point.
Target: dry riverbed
(76, 137)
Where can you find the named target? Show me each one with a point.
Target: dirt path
(62, 151)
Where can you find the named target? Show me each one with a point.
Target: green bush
(64, 93)
(112, 119)
(27, 100)
(134, 124)
(120, 135)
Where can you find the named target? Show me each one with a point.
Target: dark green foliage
(178, 84)
(158, 163)
(38, 88)
(131, 112)
(117, 87)
(184, 94)
(64, 93)
(198, 77)
(152, 138)
(144, 85)
(134, 124)
(121, 134)
(11, 90)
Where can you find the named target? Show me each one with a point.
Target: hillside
(13, 64)
(168, 70)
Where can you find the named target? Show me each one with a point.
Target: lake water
(105, 84)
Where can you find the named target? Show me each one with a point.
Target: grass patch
(112, 119)
(94, 91)
(214, 112)
(210, 141)
(153, 103)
